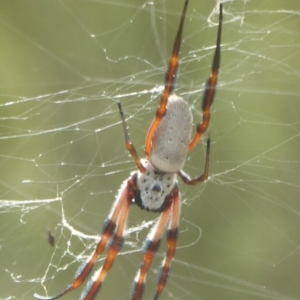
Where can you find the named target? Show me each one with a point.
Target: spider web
(65, 64)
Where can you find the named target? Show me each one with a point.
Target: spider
(154, 186)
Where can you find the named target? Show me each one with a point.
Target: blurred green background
(65, 64)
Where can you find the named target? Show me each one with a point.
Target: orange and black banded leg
(95, 283)
(172, 238)
(125, 196)
(169, 85)
(210, 87)
(150, 248)
(186, 178)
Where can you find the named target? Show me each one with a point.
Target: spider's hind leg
(210, 86)
(169, 85)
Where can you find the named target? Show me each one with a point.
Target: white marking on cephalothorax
(154, 186)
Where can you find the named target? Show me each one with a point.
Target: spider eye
(156, 188)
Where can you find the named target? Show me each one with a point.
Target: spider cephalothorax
(154, 186)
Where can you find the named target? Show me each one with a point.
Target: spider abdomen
(172, 137)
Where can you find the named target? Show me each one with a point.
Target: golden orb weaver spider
(154, 186)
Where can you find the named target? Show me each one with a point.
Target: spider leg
(95, 283)
(123, 199)
(210, 87)
(169, 85)
(129, 144)
(172, 238)
(150, 248)
(186, 178)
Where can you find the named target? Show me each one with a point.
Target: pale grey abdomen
(172, 137)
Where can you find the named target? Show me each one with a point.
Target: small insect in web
(154, 186)
(51, 238)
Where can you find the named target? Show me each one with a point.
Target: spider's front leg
(172, 236)
(150, 248)
(172, 206)
(114, 227)
(129, 190)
